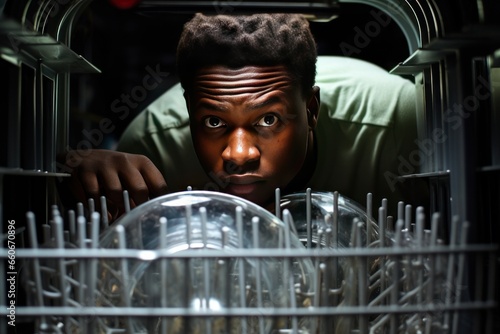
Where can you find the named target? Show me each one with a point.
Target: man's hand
(108, 173)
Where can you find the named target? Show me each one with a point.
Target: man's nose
(241, 148)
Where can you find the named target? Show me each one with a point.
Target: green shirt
(366, 121)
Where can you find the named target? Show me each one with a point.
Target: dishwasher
(205, 262)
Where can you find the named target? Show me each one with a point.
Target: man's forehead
(250, 87)
(223, 80)
(221, 88)
(216, 72)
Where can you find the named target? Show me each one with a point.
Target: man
(256, 117)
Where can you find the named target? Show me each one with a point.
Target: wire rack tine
(241, 266)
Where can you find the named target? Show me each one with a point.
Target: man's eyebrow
(222, 108)
(212, 107)
(265, 103)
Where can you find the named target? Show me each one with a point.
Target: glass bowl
(337, 227)
(177, 275)
(324, 230)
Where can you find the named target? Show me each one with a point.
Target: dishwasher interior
(200, 262)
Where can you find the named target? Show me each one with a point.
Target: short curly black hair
(258, 40)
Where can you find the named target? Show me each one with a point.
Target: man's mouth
(242, 184)
(244, 179)
(241, 189)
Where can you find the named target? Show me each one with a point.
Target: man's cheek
(209, 160)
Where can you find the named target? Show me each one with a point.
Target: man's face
(250, 128)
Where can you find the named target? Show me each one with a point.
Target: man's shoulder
(166, 118)
(168, 111)
(356, 91)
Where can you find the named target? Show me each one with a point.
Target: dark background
(123, 43)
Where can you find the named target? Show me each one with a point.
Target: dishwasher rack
(405, 280)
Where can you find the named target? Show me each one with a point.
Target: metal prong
(91, 206)
(277, 200)
(381, 231)
(225, 236)
(80, 211)
(369, 209)
(389, 223)
(55, 211)
(460, 274)
(72, 225)
(104, 213)
(189, 214)
(82, 231)
(47, 233)
(394, 320)
(59, 244)
(258, 269)
(385, 205)
(335, 220)
(401, 210)
(241, 265)
(420, 244)
(125, 278)
(363, 283)
(94, 237)
(126, 201)
(308, 218)
(163, 270)
(37, 273)
(408, 210)
(206, 265)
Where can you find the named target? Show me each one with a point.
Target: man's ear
(313, 105)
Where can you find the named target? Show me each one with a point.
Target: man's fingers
(154, 180)
(77, 190)
(112, 188)
(137, 188)
(107, 173)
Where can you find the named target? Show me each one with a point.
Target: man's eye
(268, 120)
(213, 122)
